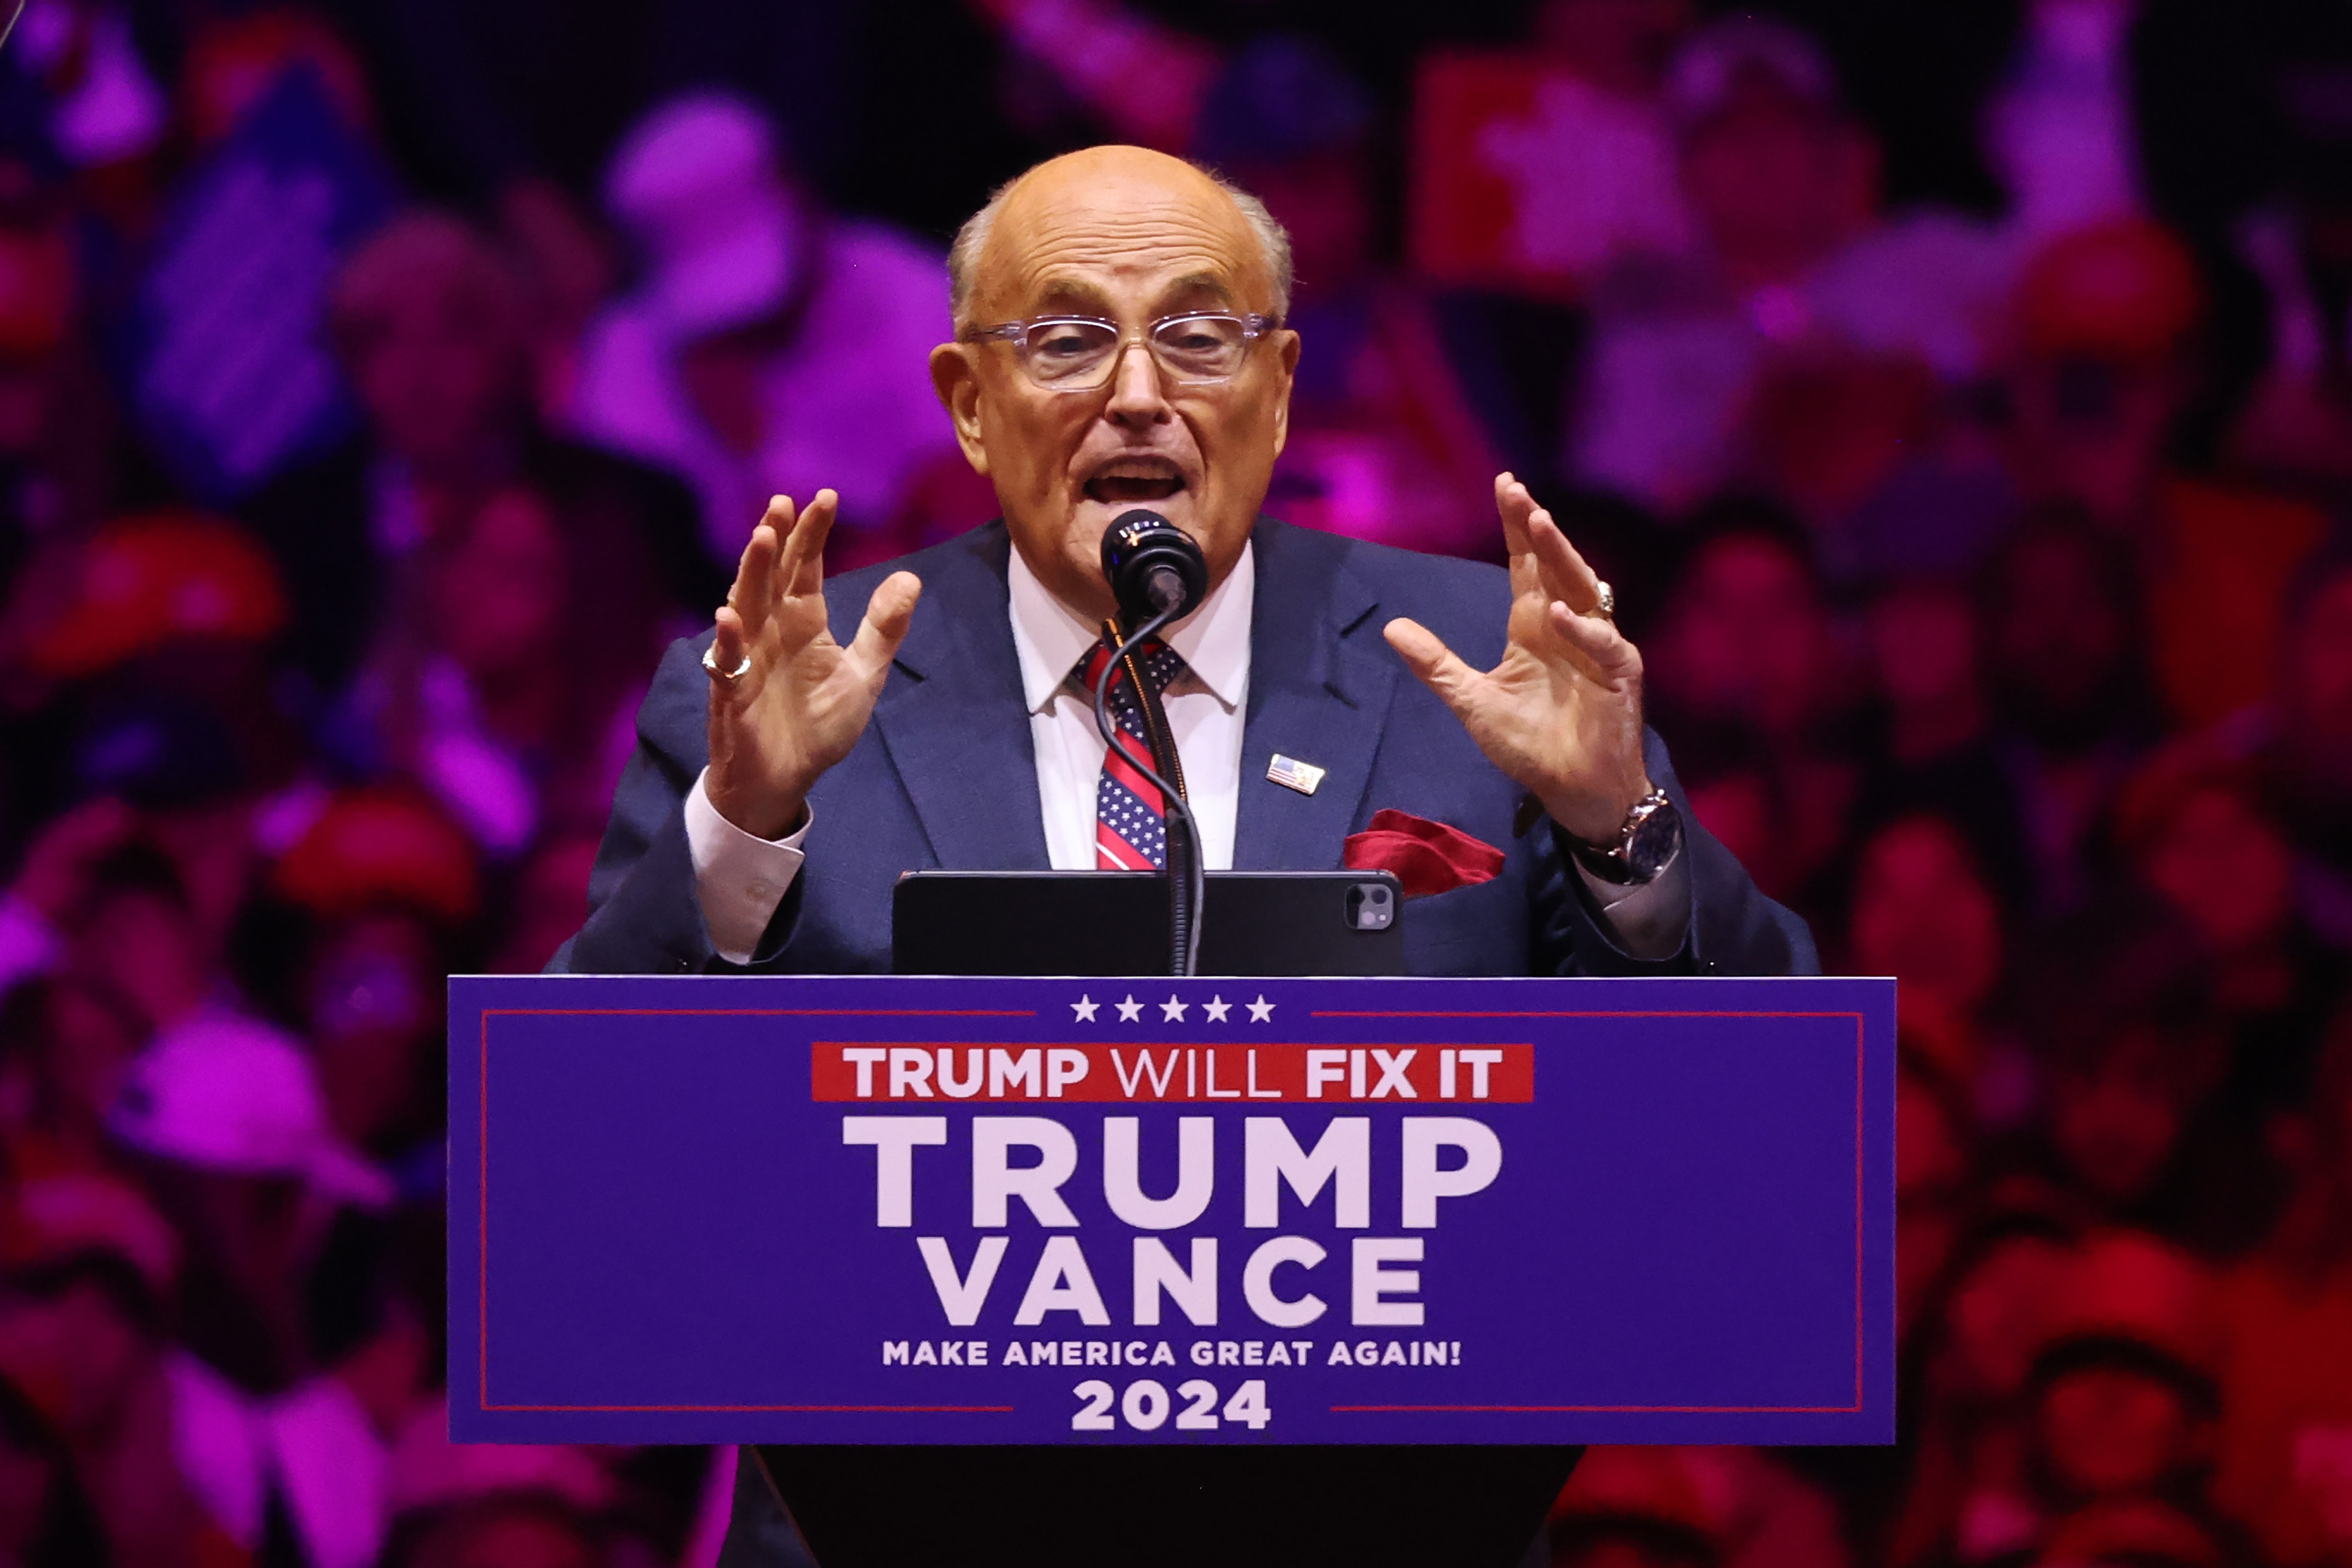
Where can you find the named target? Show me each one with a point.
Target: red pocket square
(1425, 857)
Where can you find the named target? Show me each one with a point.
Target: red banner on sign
(867, 1070)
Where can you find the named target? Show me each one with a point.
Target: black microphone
(1153, 567)
(1158, 576)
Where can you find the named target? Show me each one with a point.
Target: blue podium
(1187, 1213)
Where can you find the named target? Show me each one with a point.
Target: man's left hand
(1561, 714)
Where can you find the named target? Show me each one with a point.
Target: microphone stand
(1187, 883)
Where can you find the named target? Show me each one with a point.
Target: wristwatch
(1646, 846)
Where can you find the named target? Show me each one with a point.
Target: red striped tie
(1130, 824)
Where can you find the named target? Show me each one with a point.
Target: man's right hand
(804, 698)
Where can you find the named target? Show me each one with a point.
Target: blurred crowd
(1957, 392)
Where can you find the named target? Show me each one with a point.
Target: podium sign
(892, 1210)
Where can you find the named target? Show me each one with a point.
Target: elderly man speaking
(1119, 341)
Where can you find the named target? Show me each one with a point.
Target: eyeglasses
(1078, 353)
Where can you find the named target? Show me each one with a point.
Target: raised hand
(801, 699)
(1561, 714)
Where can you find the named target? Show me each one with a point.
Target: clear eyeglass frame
(1198, 366)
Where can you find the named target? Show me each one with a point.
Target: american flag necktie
(1130, 827)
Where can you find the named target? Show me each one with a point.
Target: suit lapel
(1319, 692)
(952, 721)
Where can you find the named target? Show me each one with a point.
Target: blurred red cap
(234, 63)
(2127, 1285)
(2124, 290)
(1655, 1485)
(426, 1471)
(59, 1217)
(155, 578)
(2132, 1530)
(381, 846)
(2181, 771)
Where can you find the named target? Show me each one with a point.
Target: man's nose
(1136, 394)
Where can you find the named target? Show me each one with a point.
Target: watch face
(1654, 842)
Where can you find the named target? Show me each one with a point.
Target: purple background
(674, 1227)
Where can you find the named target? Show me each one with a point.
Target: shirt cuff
(1650, 921)
(739, 880)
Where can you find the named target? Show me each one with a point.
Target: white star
(1085, 1008)
(1130, 1009)
(1171, 1011)
(1216, 1007)
(1261, 1011)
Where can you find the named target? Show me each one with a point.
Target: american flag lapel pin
(1292, 773)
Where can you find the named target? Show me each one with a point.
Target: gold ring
(729, 676)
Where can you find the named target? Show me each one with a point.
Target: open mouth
(1131, 482)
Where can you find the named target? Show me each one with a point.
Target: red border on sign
(482, 1277)
(1859, 1229)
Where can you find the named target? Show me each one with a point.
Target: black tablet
(1263, 923)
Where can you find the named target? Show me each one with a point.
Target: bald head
(1136, 241)
(1098, 185)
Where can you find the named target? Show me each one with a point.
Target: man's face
(438, 376)
(1324, 201)
(371, 1014)
(2057, 641)
(1128, 236)
(1923, 645)
(73, 1352)
(1777, 183)
(1996, 1315)
(1920, 911)
(92, 1037)
(1746, 637)
(2118, 1123)
(2225, 867)
(499, 590)
(145, 948)
(2106, 1430)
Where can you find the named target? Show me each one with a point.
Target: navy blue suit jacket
(944, 776)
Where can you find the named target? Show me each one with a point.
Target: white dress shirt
(1205, 705)
(741, 879)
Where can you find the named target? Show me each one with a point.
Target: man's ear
(959, 390)
(1287, 359)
